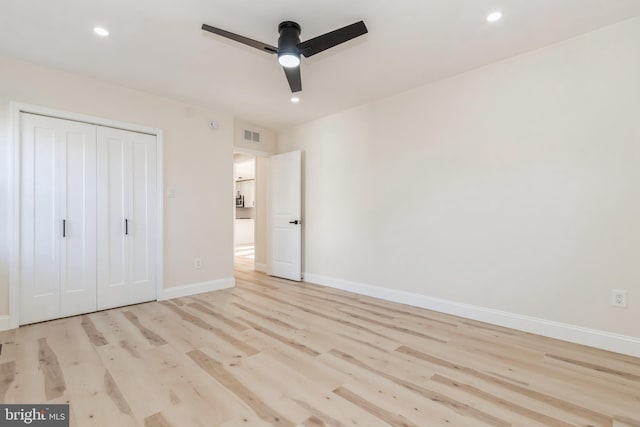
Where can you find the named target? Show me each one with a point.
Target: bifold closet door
(126, 217)
(57, 218)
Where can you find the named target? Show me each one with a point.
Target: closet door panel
(112, 206)
(78, 188)
(115, 210)
(40, 220)
(142, 215)
(126, 188)
(57, 235)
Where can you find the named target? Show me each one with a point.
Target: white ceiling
(157, 45)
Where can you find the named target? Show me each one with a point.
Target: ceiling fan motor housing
(289, 38)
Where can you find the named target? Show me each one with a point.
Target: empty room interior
(320, 213)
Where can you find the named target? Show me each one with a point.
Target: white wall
(514, 187)
(198, 164)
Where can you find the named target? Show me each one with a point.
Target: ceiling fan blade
(321, 43)
(244, 40)
(293, 76)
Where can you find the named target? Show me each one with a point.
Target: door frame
(263, 154)
(16, 108)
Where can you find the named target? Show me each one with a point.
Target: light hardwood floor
(274, 352)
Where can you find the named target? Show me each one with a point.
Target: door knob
(294, 222)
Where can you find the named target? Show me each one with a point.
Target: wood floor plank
(90, 400)
(179, 416)
(317, 313)
(499, 401)
(7, 376)
(71, 343)
(54, 384)
(96, 337)
(452, 404)
(153, 338)
(113, 391)
(311, 389)
(285, 340)
(197, 321)
(508, 385)
(217, 371)
(274, 352)
(129, 348)
(397, 328)
(625, 422)
(7, 346)
(387, 416)
(142, 394)
(188, 393)
(183, 336)
(528, 365)
(157, 420)
(268, 318)
(201, 305)
(549, 374)
(319, 418)
(628, 376)
(314, 421)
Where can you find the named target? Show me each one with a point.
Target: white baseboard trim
(196, 288)
(4, 323)
(567, 332)
(260, 267)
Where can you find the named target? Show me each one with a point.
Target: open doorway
(244, 239)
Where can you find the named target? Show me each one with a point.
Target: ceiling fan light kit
(290, 47)
(288, 54)
(288, 60)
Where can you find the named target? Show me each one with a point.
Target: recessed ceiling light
(494, 16)
(295, 99)
(101, 31)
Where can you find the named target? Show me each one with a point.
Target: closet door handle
(64, 228)
(126, 227)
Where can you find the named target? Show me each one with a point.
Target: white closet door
(58, 223)
(126, 217)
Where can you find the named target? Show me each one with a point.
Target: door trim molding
(15, 109)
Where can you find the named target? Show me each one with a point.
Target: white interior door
(126, 217)
(57, 218)
(285, 201)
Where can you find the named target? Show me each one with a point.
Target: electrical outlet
(197, 263)
(619, 298)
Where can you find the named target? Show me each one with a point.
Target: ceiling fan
(290, 47)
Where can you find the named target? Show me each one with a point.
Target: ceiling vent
(251, 136)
